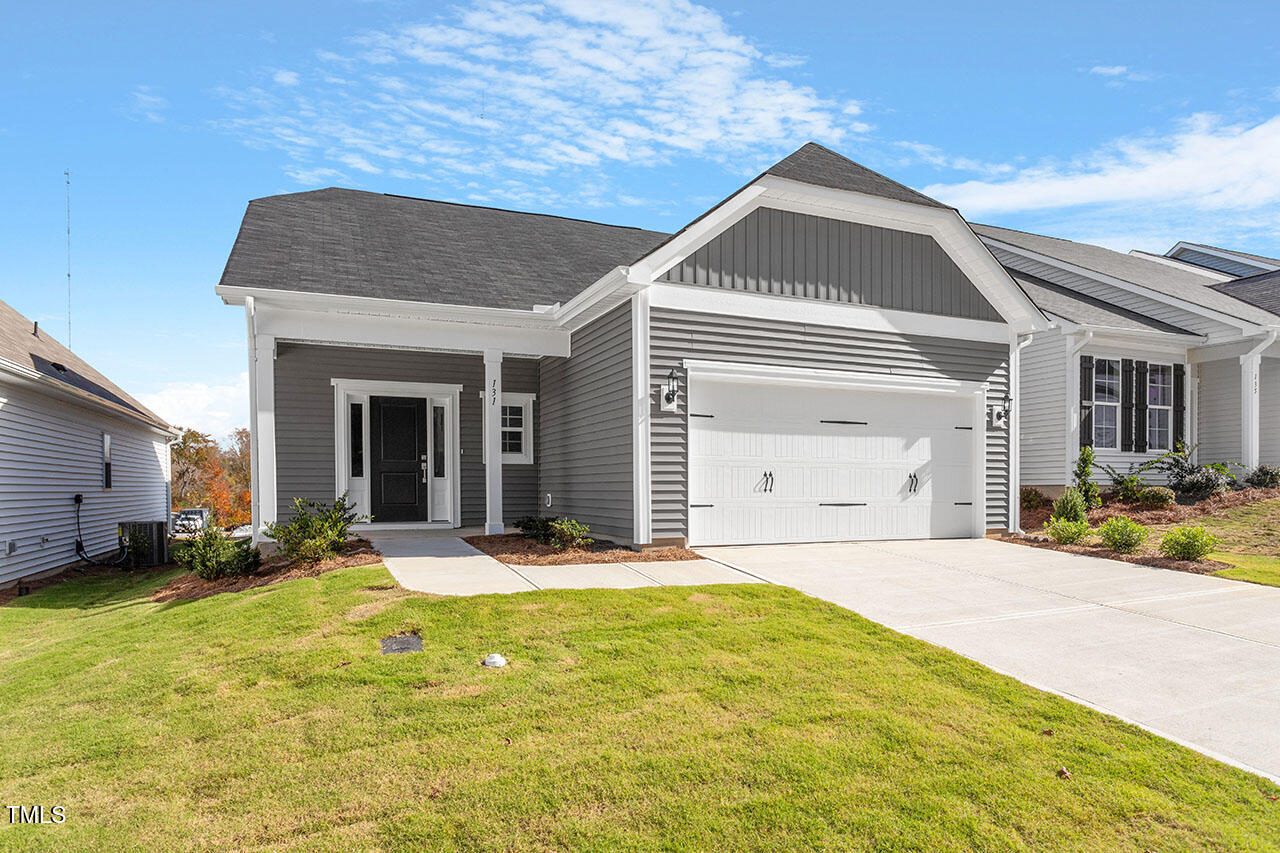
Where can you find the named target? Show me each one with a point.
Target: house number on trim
(493, 393)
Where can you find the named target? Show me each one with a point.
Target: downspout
(1015, 431)
(1250, 394)
(251, 328)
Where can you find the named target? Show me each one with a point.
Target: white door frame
(346, 391)
(847, 379)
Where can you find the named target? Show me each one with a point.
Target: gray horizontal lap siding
(304, 419)
(678, 335)
(1223, 265)
(793, 254)
(587, 428)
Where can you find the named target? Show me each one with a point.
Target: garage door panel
(773, 463)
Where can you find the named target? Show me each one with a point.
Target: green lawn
(1250, 537)
(1256, 568)
(713, 718)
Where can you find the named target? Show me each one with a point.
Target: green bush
(1205, 482)
(1083, 479)
(1070, 507)
(1123, 535)
(1031, 498)
(1155, 497)
(536, 527)
(568, 533)
(1264, 477)
(213, 555)
(317, 530)
(1188, 543)
(1066, 532)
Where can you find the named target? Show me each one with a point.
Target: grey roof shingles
(24, 345)
(822, 167)
(1238, 253)
(1182, 284)
(1086, 310)
(1261, 291)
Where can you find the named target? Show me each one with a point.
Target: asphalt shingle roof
(814, 164)
(1183, 284)
(1238, 253)
(35, 349)
(1086, 310)
(355, 243)
(1262, 290)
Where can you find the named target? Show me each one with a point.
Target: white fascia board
(1236, 322)
(653, 265)
(54, 388)
(606, 293)
(1185, 266)
(713, 300)
(417, 333)
(1225, 254)
(731, 371)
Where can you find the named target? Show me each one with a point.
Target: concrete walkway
(1193, 658)
(446, 565)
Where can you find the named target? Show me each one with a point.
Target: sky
(1129, 125)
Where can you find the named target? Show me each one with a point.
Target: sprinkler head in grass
(494, 660)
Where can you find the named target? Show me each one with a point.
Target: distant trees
(211, 475)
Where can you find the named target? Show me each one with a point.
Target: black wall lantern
(670, 391)
(1000, 413)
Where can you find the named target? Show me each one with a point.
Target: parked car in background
(190, 520)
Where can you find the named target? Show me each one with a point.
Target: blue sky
(1131, 125)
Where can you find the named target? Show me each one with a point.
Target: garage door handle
(841, 504)
(701, 506)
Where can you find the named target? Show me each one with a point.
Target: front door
(400, 447)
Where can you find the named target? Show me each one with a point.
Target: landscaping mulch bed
(1144, 558)
(188, 587)
(1173, 514)
(515, 549)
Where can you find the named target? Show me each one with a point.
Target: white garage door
(794, 463)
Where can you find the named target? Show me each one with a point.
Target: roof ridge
(874, 171)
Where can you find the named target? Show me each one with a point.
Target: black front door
(399, 449)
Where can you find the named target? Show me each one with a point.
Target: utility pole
(67, 174)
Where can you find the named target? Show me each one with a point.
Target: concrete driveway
(1192, 658)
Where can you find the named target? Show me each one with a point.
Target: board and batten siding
(812, 257)
(1043, 407)
(51, 450)
(587, 428)
(676, 335)
(305, 428)
(1218, 430)
(1126, 299)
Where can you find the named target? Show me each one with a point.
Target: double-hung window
(1106, 402)
(517, 429)
(1159, 406)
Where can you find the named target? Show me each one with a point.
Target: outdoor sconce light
(1000, 413)
(670, 391)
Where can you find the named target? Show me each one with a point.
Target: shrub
(1155, 497)
(137, 544)
(536, 527)
(1204, 482)
(213, 555)
(1066, 532)
(1083, 481)
(1070, 507)
(1264, 477)
(568, 533)
(317, 530)
(1031, 498)
(1123, 535)
(1188, 543)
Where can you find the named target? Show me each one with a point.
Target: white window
(1106, 402)
(517, 429)
(1159, 406)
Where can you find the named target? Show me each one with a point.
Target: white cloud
(1109, 70)
(505, 90)
(214, 409)
(1118, 75)
(286, 78)
(145, 105)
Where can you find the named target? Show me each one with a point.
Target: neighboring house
(1226, 261)
(66, 430)
(1144, 353)
(824, 355)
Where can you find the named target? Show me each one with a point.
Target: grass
(1250, 537)
(729, 717)
(1255, 568)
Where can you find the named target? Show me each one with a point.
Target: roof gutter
(1267, 340)
(62, 389)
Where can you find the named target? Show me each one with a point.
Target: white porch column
(492, 403)
(262, 382)
(1250, 409)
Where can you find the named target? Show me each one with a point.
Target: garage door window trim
(819, 376)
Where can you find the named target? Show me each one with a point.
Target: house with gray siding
(1143, 352)
(66, 431)
(824, 355)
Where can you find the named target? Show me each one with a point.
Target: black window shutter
(1179, 404)
(1140, 409)
(1126, 404)
(1086, 401)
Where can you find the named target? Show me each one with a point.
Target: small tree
(1084, 479)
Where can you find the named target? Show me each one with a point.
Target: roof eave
(48, 383)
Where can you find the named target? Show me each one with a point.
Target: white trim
(264, 421)
(371, 306)
(1225, 254)
(1159, 296)
(491, 406)
(1251, 402)
(255, 472)
(724, 371)
(1185, 266)
(641, 405)
(1014, 427)
(524, 401)
(347, 391)
(713, 300)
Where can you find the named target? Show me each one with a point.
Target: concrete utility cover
(401, 644)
